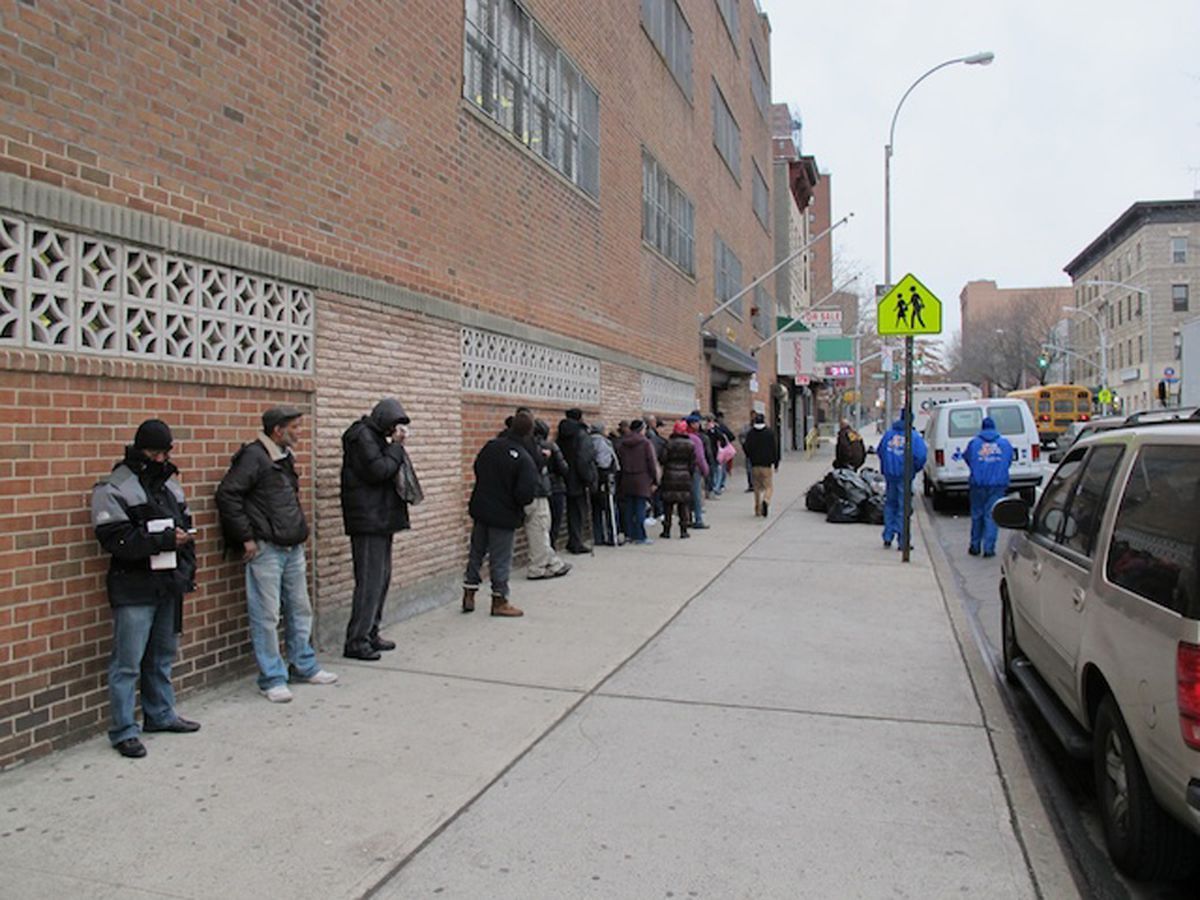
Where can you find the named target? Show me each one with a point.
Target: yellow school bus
(1055, 407)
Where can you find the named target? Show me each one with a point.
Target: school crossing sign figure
(909, 308)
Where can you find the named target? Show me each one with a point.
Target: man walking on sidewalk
(141, 518)
(891, 463)
(259, 502)
(988, 456)
(763, 452)
(372, 512)
(505, 482)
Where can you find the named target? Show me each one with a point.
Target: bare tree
(1004, 346)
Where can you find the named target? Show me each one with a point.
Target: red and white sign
(822, 319)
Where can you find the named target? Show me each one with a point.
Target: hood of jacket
(991, 435)
(633, 439)
(387, 414)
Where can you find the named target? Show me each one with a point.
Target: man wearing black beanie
(140, 516)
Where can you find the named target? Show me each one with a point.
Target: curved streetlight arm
(1143, 292)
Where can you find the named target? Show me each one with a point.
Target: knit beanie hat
(153, 434)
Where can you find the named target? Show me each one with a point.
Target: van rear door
(1011, 422)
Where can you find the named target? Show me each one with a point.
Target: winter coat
(259, 497)
(679, 462)
(370, 502)
(761, 448)
(136, 492)
(988, 456)
(657, 441)
(556, 468)
(639, 470)
(577, 449)
(698, 448)
(851, 452)
(506, 481)
(891, 451)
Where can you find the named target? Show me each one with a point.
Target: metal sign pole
(906, 529)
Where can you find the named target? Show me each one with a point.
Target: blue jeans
(718, 478)
(275, 582)
(893, 509)
(983, 529)
(634, 510)
(143, 650)
(697, 498)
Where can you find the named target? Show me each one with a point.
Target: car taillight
(1036, 452)
(1187, 680)
(1084, 417)
(939, 457)
(1043, 418)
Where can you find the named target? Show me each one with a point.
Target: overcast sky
(1004, 171)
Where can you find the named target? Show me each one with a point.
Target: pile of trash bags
(848, 496)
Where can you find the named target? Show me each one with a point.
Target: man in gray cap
(259, 502)
(141, 518)
(372, 512)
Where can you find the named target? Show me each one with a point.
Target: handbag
(407, 485)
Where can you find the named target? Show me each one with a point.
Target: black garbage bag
(844, 484)
(871, 510)
(814, 500)
(841, 511)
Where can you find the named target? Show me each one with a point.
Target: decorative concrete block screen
(71, 292)
(666, 395)
(506, 366)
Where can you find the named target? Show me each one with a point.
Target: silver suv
(1101, 626)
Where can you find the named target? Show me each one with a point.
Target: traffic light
(1043, 362)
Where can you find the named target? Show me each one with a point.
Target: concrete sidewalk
(775, 709)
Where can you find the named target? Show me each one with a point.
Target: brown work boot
(501, 607)
(468, 601)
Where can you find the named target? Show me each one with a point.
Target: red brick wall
(60, 432)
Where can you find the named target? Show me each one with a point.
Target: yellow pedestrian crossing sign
(909, 308)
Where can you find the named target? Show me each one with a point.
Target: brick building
(208, 207)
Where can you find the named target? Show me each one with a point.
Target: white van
(926, 396)
(951, 427)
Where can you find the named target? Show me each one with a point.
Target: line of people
(523, 479)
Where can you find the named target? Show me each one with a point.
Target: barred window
(762, 197)
(764, 311)
(670, 33)
(515, 73)
(760, 85)
(726, 135)
(729, 15)
(727, 274)
(668, 216)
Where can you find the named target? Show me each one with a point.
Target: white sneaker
(320, 677)
(278, 694)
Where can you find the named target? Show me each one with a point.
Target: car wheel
(1142, 840)
(1029, 495)
(925, 486)
(1008, 636)
(939, 499)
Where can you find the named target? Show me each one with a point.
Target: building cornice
(1145, 212)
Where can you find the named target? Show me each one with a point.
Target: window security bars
(518, 76)
(668, 217)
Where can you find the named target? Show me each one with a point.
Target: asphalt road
(1065, 784)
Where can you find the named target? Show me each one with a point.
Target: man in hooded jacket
(582, 477)
(372, 511)
(988, 456)
(891, 464)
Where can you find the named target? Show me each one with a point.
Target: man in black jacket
(506, 480)
(140, 516)
(762, 449)
(259, 501)
(582, 478)
(372, 511)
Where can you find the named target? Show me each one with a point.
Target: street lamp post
(1103, 333)
(1142, 292)
(975, 59)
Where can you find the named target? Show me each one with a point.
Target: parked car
(951, 427)
(1079, 430)
(1100, 600)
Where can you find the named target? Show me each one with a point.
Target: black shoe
(683, 536)
(379, 643)
(363, 651)
(179, 726)
(579, 551)
(699, 525)
(748, 490)
(131, 748)
(973, 551)
(987, 553)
